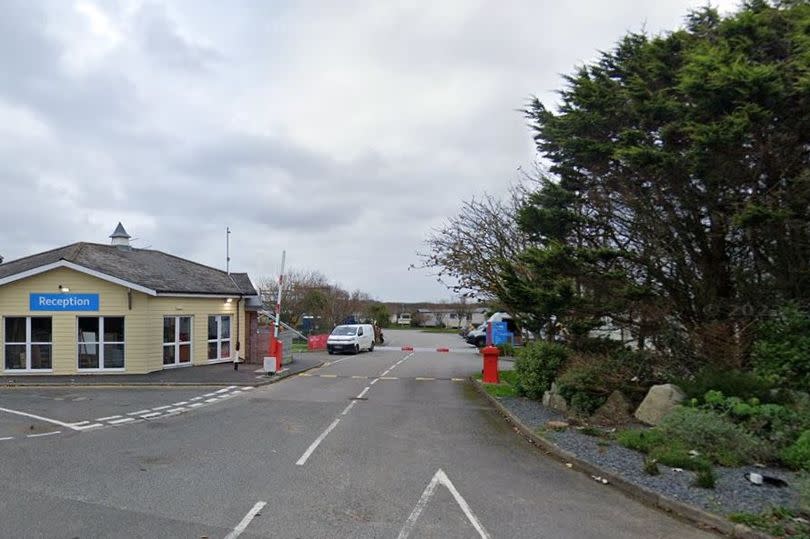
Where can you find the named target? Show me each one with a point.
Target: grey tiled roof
(151, 269)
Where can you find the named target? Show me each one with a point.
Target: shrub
(797, 456)
(731, 383)
(642, 440)
(588, 380)
(782, 349)
(677, 457)
(713, 435)
(705, 478)
(779, 425)
(537, 366)
(651, 466)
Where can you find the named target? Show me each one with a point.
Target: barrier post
(490, 373)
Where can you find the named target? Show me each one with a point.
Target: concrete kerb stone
(689, 513)
(109, 385)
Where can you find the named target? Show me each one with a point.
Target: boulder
(615, 411)
(660, 400)
(555, 401)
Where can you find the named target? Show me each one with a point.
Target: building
(93, 308)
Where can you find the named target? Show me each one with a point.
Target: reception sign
(63, 302)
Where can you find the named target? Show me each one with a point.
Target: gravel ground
(732, 492)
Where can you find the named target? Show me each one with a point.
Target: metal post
(278, 299)
(228, 250)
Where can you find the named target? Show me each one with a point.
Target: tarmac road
(384, 444)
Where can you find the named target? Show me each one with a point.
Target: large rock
(553, 400)
(660, 400)
(615, 411)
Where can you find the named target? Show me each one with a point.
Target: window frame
(101, 343)
(28, 344)
(177, 342)
(219, 340)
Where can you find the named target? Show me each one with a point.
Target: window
(29, 343)
(176, 340)
(219, 337)
(101, 342)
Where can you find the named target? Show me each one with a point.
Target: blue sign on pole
(63, 302)
(500, 333)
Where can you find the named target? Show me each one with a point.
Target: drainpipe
(238, 335)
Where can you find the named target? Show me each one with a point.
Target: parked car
(478, 336)
(351, 338)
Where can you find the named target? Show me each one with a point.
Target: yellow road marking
(304, 374)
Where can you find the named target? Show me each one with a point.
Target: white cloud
(340, 131)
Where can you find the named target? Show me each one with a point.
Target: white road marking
(6, 438)
(389, 378)
(305, 374)
(177, 410)
(108, 418)
(80, 423)
(90, 426)
(45, 419)
(211, 400)
(223, 390)
(196, 398)
(153, 414)
(213, 393)
(363, 393)
(457, 379)
(423, 378)
(231, 387)
(373, 382)
(360, 377)
(195, 405)
(237, 531)
(441, 477)
(181, 403)
(349, 407)
(328, 375)
(385, 373)
(156, 408)
(139, 412)
(119, 421)
(316, 443)
(336, 362)
(246, 388)
(44, 434)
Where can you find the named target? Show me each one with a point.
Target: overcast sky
(339, 131)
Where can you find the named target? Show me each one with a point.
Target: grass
(507, 387)
(777, 522)
(705, 479)
(651, 466)
(299, 347)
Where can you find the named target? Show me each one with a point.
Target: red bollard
(490, 354)
(279, 354)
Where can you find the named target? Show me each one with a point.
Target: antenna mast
(228, 249)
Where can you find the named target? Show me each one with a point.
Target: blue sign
(500, 333)
(63, 302)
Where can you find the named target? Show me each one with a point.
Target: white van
(351, 338)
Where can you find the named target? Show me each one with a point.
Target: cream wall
(143, 322)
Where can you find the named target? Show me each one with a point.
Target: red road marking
(442, 349)
(407, 348)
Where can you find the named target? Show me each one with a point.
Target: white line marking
(457, 379)
(181, 403)
(212, 394)
(195, 405)
(373, 382)
(47, 420)
(153, 414)
(360, 377)
(211, 400)
(441, 477)
(328, 375)
(196, 398)
(363, 393)
(349, 407)
(119, 421)
(177, 410)
(316, 443)
(44, 434)
(237, 531)
(247, 388)
(336, 362)
(231, 387)
(223, 390)
(80, 423)
(6, 438)
(156, 408)
(91, 426)
(139, 412)
(385, 373)
(389, 378)
(108, 418)
(423, 378)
